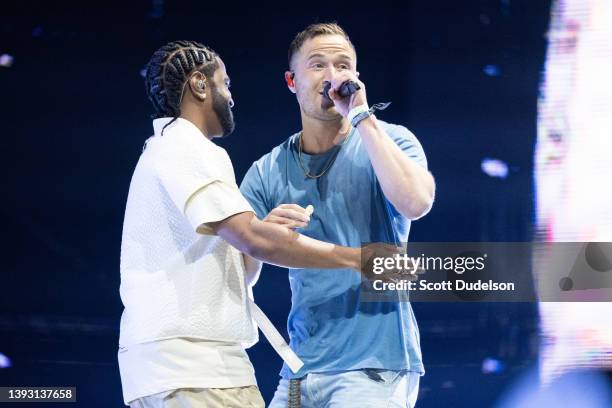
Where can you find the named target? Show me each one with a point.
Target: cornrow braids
(168, 70)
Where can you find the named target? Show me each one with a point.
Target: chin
(330, 112)
(328, 108)
(327, 104)
(229, 131)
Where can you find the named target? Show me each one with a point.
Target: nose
(231, 103)
(330, 73)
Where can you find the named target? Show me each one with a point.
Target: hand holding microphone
(346, 92)
(349, 99)
(346, 89)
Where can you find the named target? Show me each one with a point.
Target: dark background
(463, 76)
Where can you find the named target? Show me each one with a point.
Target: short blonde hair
(315, 30)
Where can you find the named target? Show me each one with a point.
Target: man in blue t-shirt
(366, 180)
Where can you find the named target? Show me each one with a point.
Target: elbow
(417, 207)
(248, 235)
(266, 241)
(259, 252)
(255, 246)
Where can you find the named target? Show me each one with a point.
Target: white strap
(275, 338)
(356, 111)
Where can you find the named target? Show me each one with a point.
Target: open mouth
(325, 90)
(325, 95)
(326, 103)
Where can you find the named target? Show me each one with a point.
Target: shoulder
(176, 145)
(265, 176)
(275, 157)
(397, 131)
(178, 155)
(403, 137)
(407, 141)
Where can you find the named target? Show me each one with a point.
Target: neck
(197, 119)
(319, 136)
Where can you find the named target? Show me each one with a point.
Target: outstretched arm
(281, 246)
(287, 215)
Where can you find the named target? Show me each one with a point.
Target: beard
(222, 109)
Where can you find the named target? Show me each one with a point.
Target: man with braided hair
(185, 284)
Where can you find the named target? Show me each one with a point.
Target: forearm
(407, 185)
(281, 246)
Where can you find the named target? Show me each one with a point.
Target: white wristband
(356, 111)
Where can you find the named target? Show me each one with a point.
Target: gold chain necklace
(328, 164)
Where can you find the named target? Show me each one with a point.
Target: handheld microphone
(346, 89)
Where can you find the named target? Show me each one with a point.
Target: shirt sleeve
(214, 202)
(253, 189)
(199, 179)
(409, 144)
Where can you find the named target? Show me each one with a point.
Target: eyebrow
(320, 55)
(345, 57)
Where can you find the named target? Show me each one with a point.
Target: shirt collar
(180, 124)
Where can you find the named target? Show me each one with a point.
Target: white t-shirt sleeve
(214, 202)
(199, 176)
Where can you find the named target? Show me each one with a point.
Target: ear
(289, 78)
(198, 85)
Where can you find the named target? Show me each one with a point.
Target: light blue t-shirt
(329, 327)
